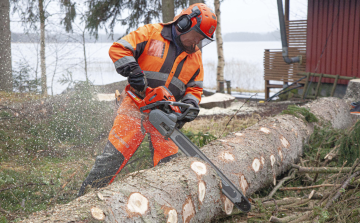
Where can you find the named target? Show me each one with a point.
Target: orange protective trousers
(129, 130)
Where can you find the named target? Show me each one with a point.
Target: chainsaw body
(162, 99)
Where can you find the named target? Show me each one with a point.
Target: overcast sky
(256, 15)
(236, 15)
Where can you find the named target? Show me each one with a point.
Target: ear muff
(184, 22)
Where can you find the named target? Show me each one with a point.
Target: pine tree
(107, 13)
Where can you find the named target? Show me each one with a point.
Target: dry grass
(10, 97)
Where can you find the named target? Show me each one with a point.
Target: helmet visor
(192, 41)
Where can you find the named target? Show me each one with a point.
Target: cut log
(353, 91)
(190, 188)
(217, 100)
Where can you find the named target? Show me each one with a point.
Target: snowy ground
(245, 109)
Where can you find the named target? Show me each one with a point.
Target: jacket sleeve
(194, 88)
(125, 52)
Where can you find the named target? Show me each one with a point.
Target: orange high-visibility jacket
(151, 46)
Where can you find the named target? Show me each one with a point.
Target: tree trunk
(168, 10)
(188, 189)
(6, 83)
(220, 52)
(84, 50)
(42, 48)
(191, 2)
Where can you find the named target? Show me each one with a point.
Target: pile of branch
(334, 195)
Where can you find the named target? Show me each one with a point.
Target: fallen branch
(322, 169)
(305, 216)
(53, 200)
(300, 203)
(315, 195)
(340, 191)
(284, 201)
(281, 182)
(317, 164)
(286, 219)
(306, 175)
(309, 187)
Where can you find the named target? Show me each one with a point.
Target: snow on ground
(216, 97)
(106, 97)
(229, 110)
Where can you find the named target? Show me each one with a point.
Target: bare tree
(191, 2)
(219, 45)
(168, 7)
(34, 12)
(42, 47)
(6, 80)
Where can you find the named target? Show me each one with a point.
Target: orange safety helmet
(197, 18)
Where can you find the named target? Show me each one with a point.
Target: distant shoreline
(103, 38)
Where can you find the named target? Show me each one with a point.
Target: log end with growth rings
(137, 204)
(97, 213)
(188, 210)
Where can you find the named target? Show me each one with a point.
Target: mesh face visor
(205, 41)
(194, 39)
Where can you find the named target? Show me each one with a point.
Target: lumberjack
(163, 54)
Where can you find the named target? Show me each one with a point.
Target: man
(154, 55)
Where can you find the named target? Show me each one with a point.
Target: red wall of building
(333, 38)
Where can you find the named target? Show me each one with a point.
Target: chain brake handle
(189, 114)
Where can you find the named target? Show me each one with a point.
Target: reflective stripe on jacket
(151, 46)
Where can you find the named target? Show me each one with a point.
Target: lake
(244, 63)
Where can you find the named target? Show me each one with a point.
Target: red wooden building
(328, 43)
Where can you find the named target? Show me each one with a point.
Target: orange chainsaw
(164, 115)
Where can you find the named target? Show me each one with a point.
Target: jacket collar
(166, 32)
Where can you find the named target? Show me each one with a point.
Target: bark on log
(188, 190)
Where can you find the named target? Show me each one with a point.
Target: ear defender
(184, 23)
